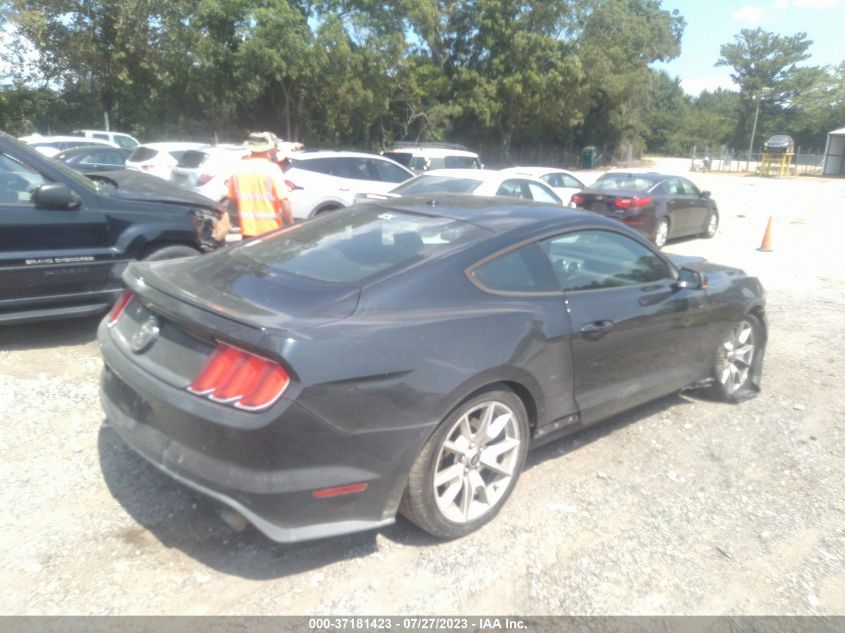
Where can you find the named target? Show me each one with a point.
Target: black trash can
(589, 157)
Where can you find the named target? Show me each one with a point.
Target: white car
(561, 181)
(158, 159)
(324, 181)
(52, 145)
(207, 168)
(428, 156)
(121, 139)
(477, 182)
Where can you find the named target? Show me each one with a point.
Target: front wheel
(735, 359)
(712, 224)
(469, 466)
(661, 232)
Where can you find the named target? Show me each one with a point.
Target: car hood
(246, 292)
(138, 186)
(701, 265)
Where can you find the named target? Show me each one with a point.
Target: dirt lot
(685, 506)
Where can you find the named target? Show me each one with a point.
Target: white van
(422, 157)
(121, 139)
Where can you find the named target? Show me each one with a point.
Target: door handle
(596, 329)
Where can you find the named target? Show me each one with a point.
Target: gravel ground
(684, 506)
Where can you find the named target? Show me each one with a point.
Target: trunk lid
(247, 292)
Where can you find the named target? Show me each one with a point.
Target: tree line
(519, 81)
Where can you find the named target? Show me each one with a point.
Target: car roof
(535, 171)
(432, 152)
(46, 140)
(474, 174)
(499, 215)
(325, 153)
(84, 149)
(167, 145)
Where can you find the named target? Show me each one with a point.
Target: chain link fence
(725, 159)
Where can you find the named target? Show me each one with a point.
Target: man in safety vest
(258, 188)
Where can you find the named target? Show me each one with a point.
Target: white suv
(423, 157)
(324, 181)
(206, 169)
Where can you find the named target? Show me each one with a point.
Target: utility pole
(758, 98)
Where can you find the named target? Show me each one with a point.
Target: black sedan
(660, 206)
(404, 355)
(94, 158)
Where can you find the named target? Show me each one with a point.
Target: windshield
(351, 245)
(437, 184)
(635, 183)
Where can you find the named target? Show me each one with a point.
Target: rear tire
(469, 466)
(170, 252)
(661, 232)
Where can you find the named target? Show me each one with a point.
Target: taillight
(633, 203)
(241, 379)
(292, 186)
(577, 199)
(203, 179)
(119, 306)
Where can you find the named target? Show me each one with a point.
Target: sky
(711, 23)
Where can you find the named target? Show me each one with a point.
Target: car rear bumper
(295, 455)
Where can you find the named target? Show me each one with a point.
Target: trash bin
(589, 156)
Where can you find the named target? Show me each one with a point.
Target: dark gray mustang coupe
(404, 355)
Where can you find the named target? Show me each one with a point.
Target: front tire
(712, 224)
(735, 358)
(469, 466)
(661, 232)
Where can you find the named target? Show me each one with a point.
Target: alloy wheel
(476, 462)
(661, 232)
(734, 357)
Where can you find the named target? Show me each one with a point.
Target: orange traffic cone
(766, 245)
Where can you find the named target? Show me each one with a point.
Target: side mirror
(688, 278)
(705, 195)
(55, 195)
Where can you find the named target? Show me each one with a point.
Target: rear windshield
(437, 184)
(143, 153)
(192, 158)
(635, 183)
(354, 244)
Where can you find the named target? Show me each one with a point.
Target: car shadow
(178, 517)
(566, 445)
(47, 334)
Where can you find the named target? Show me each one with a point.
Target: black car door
(46, 254)
(677, 206)
(698, 208)
(634, 331)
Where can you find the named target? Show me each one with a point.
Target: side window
(354, 168)
(17, 181)
(513, 189)
(319, 165)
(671, 187)
(689, 188)
(589, 260)
(125, 142)
(523, 270)
(552, 180)
(569, 181)
(386, 172)
(105, 137)
(541, 194)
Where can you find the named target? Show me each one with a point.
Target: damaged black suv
(65, 238)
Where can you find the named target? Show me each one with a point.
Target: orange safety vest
(258, 187)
